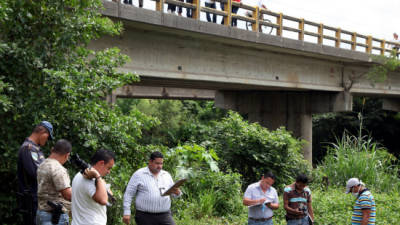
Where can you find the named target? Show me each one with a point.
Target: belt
(154, 214)
(299, 218)
(260, 219)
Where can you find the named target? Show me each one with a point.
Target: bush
(250, 149)
(359, 157)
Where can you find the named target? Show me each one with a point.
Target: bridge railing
(302, 27)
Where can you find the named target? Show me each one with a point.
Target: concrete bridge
(273, 80)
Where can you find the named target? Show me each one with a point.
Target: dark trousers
(145, 218)
(129, 2)
(29, 218)
(173, 7)
(234, 10)
(189, 12)
(213, 6)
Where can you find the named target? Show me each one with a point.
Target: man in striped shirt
(364, 210)
(147, 185)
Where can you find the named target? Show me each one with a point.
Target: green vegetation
(360, 157)
(47, 73)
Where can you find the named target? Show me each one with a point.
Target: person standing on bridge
(395, 47)
(147, 185)
(172, 8)
(235, 9)
(189, 11)
(129, 2)
(211, 4)
(261, 198)
(261, 5)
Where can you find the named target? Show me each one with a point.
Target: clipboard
(176, 185)
(260, 204)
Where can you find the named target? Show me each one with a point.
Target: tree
(48, 73)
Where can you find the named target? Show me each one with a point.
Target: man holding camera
(297, 202)
(30, 157)
(54, 186)
(148, 185)
(89, 193)
(261, 198)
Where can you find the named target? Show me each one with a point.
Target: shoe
(169, 11)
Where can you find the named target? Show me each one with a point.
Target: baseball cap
(351, 183)
(49, 128)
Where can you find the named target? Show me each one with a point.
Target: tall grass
(361, 157)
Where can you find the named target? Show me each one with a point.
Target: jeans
(173, 7)
(234, 10)
(211, 5)
(302, 221)
(189, 12)
(44, 218)
(268, 222)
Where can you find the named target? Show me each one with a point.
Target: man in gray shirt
(148, 184)
(261, 198)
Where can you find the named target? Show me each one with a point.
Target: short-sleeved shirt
(255, 192)
(52, 178)
(85, 210)
(364, 201)
(29, 158)
(296, 199)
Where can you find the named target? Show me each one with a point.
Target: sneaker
(169, 11)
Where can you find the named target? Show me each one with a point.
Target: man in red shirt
(235, 9)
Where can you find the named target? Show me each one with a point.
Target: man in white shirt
(147, 185)
(89, 194)
(261, 198)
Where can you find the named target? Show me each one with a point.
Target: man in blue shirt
(364, 210)
(261, 198)
(29, 158)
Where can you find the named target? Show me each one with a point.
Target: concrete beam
(134, 91)
(391, 104)
(301, 102)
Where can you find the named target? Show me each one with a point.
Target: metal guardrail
(353, 39)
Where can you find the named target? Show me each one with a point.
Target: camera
(56, 211)
(82, 166)
(303, 208)
(78, 162)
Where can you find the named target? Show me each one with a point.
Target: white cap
(351, 183)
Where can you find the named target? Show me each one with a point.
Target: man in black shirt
(29, 158)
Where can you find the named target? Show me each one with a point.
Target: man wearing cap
(29, 158)
(364, 209)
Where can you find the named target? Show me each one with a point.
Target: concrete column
(290, 109)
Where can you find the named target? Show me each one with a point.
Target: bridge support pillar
(290, 109)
